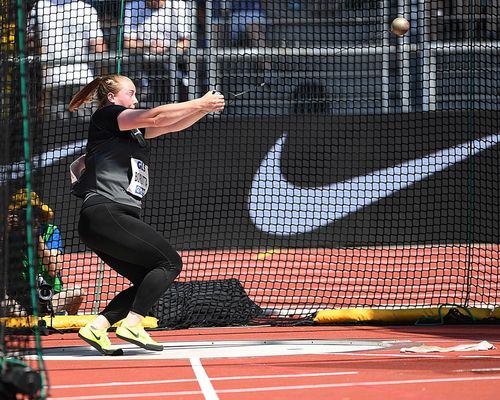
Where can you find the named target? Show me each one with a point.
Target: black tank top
(116, 162)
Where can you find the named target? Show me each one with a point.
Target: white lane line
(128, 395)
(357, 384)
(478, 370)
(111, 384)
(495, 357)
(203, 379)
(222, 378)
(397, 355)
(281, 388)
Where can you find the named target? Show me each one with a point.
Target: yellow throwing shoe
(138, 336)
(98, 340)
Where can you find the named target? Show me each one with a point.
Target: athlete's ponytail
(85, 95)
(98, 89)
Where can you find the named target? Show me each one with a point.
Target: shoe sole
(114, 352)
(150, 347)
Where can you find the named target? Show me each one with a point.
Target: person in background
(112, 178)
(48, 246)
(62, 30)
(157, 26)
(160, 27)
(248, 23)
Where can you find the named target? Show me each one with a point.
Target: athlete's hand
(212, 101)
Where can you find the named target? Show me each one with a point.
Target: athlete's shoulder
(111, 107)
(104, 122)
(108, 111)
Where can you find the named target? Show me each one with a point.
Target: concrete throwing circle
(229, 349)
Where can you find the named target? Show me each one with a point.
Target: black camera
(18, 378)
(44, 290)
(45, 293)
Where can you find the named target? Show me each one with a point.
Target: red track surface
(311, 279)
(375, 375)
(330, 278)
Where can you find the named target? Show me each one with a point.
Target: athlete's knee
(172, 265)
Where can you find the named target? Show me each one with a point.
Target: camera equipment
(44, 290)
(16, 377)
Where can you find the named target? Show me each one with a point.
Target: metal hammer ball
(400, 26)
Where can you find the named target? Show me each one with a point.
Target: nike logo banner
(328, 181)
(280, 208)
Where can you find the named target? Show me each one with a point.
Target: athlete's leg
(120, 305)
(134, 250)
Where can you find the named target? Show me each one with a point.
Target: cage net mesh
(352, 166)
(22, 372)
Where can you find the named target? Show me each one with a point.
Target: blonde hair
(98, 90)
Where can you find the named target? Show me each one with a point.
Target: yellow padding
(353, 315)
(64, 322)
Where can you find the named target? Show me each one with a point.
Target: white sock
(100, 323)
(133, 319)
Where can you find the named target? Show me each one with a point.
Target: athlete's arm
(176, 127)
(169, 115)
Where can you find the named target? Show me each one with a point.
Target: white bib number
(139, 182)
(76, 169)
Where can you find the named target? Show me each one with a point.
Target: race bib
(139, 182)
(76, 169)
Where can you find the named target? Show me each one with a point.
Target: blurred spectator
(60, 29)
(66, 28)
(248, 22)
(7, 27)
(159, 27)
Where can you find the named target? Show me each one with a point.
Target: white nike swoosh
(280, 208)
(17, 170)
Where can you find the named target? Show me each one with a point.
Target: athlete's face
(126, 95)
